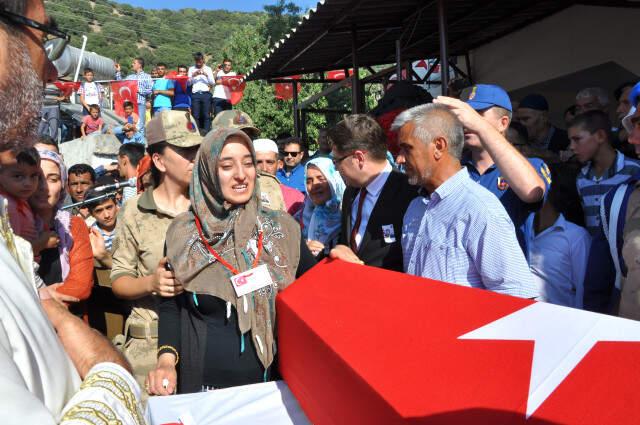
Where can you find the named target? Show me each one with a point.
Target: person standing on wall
(201, 78)
(222, 93)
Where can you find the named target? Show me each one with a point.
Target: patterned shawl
(233, 233)
(322, 222)
(62, 219)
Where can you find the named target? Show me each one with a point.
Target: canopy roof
(323, 38)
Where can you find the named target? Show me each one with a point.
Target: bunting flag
(67, 87)
(126, 90)
(338, 74)
(183, 80)
(236, 85)
(284, 91)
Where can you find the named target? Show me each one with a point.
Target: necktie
(356, 225)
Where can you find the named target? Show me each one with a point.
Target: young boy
(129, 131)
(557, 248)
(91, 93)
(19, 179)
(605, 167)
(131, 117)
(105, 212)
(92, 123)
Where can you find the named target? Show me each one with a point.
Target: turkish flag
(338, 74)
(125, 90)
(284, 91)
(67, 87)
(364, 345)
(183, 80)
(236, 85)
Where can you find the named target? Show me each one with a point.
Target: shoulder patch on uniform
(546, 173)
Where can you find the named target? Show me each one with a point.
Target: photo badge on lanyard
(243, 282)
(251, 280)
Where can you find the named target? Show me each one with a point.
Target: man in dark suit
(376, 198)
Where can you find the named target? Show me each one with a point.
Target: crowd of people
(466, 189)
(198, 90)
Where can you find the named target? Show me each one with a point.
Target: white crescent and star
(562, 337)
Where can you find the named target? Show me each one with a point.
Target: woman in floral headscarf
(322, 208)
(66, 264)
(216, 337)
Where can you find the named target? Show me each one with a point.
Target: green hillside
(121, 32)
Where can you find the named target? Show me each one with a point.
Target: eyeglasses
(291, 153)
(54, 40)
(337, 161)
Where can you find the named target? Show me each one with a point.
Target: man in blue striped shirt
(605, 167)
(458, 231)
(145, 85)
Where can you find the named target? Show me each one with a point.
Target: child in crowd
(18, 181)
(91, 93)
(604, 167)
(92, 123)
(130, 116)
(105, 212)
(147, 114)
(557, 247)
(129, 131)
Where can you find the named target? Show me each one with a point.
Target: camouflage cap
(236, 119)
(177, 128)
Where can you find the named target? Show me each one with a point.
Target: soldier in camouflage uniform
(140, 271)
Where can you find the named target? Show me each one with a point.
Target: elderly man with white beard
(457, 231)
(45, 350)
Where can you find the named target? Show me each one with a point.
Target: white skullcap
(265, 145)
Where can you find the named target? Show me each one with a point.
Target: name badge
(251, 280)
(388, 233)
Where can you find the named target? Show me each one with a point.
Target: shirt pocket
(450, 263)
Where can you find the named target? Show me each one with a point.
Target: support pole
(296, 115)
(75, 78)
(444, 53)
(398, 61)
(355, 93)
(467, 61)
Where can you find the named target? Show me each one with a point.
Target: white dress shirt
(373, 192)
(558, 260)
(201, 83)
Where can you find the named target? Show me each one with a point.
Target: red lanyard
(219, 257)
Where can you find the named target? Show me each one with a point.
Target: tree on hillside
(271, 116)
(281, 17)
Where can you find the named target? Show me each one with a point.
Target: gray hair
(431, 121)
(598, 92)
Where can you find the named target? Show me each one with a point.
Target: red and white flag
(236, 85)
(360, 344)
(125, 90)
(284, 91)
(67, 87)
(183, 80)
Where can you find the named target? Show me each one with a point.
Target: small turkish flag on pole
(126, 90)
(284, 91)
(390, 348)
(235, 85)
